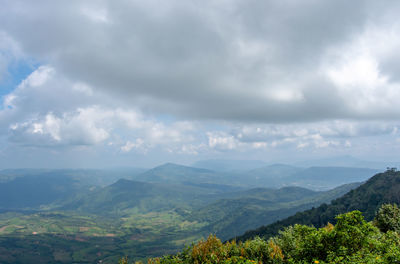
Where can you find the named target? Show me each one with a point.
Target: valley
(92, 216)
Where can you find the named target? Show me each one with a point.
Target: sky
(105, 83)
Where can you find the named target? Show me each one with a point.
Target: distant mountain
(346, 161)
(273, 176)
(92, 177)
(324, 178)
(178, 174)
(38, 190)
(229, 165)
(315, 178)
(381, 188)
(34, 188)
(256, 207)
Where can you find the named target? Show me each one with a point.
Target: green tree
(388, 218)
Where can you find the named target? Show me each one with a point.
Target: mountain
(367, 198)
(324, 178)
(127, 196)
(35, 188)
(229, 165)
(175, 206)
(273, 176)
(347, 161)
(224, 213)
(255, 207)
(93, 177)
(315, 178)
(171, 173)
(35, 191)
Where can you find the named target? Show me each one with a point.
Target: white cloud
(38, 78)
(221, 141)
(132, 145)
(82, 127)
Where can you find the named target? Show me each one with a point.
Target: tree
(388, 218)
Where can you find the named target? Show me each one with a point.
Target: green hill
(255, 207)
(367, 198)
(126, 197)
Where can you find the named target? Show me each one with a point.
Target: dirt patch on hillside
(2, 229)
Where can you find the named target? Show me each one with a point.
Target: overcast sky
(100, 83)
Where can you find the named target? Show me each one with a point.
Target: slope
(127, 197)
(256, 207)
(381, 188)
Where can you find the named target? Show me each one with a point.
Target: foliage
(351, 240)
(388, 218)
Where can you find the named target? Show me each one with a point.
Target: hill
(352, 240)
(255, 207)
(229, 165)
(367, 198)
(35, 191)
(173, 173)
(347, 161)
(314, 178)
(130, 197)
(271, 176)
(38, 188)
(324, 178)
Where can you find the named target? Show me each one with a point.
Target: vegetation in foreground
(351, 240)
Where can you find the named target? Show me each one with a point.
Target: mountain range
(144, 213)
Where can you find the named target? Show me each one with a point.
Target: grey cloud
(202, 60)
(332, 130)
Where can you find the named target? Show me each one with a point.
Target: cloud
(132, 145)
(221, 141)
(245, 61)
(9, 52)
(173, 79)
(83, 127)
(47, 110)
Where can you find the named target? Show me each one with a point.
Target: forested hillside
(352, 240)
(381, 188)
(257, 207)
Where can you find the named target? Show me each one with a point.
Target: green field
(53, 237)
